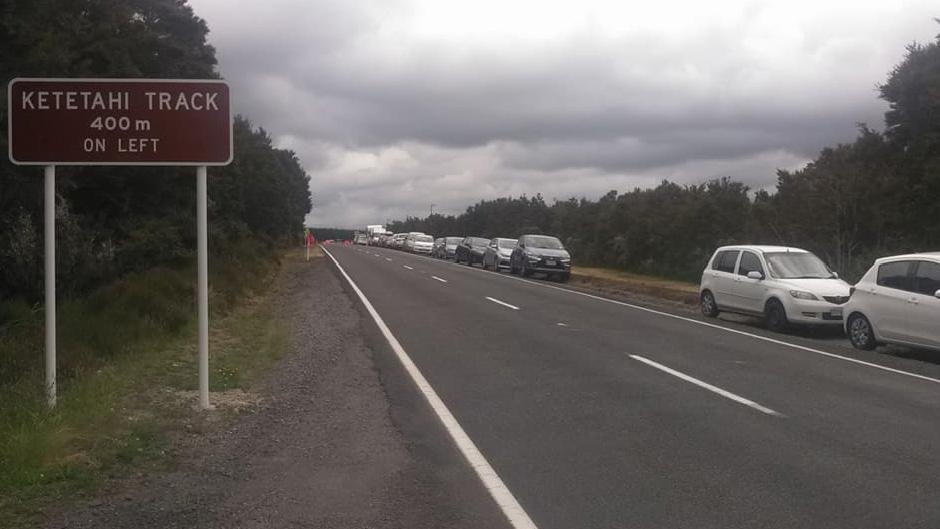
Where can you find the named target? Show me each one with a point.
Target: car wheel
(861, 334)
(564, 277)
(525, 270)
(709, 307)
(775, 316)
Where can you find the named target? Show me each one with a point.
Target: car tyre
(564, 277)
(525, 270)
(709, 306)
(775, 316)
(861, 333)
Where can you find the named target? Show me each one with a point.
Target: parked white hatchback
(897, 301)
(783, 285)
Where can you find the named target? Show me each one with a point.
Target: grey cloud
(386, 121)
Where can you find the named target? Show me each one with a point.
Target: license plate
(550, 262)
(836, 313)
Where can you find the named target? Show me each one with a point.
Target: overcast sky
(392, 105)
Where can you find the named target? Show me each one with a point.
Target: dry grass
(617, 281)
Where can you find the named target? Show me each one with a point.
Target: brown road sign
(119, 122)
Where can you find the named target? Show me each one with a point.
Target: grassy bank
(127, 378)
(626, 282)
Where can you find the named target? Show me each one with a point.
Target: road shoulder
(324, 448)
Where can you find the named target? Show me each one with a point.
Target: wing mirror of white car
(754, 274)
(937, 294)
(835, 275)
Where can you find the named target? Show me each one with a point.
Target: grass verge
(617, 281)
(128, 377)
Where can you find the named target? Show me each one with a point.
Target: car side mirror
(835, 275)
(754, 274)
(937, 294)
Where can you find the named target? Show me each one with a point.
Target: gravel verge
(328, 446)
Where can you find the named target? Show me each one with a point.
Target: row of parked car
(897, 301)
(527, 255)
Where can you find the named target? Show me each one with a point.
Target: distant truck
(375, 233)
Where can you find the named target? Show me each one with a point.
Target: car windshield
(796, 265)
(424, 238)
(550, 243)
(479, 241)
(507, 243)
(453, 240)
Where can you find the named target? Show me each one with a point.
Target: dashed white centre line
(503, 303)
(406, 267)
(439, 279)
(714, 389)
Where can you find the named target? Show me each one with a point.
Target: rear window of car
(895, 275)
(479, 241)
(544, 241)
(424, 238)
(453, 240)
(507, 243)
(927, 278)
(724, 261)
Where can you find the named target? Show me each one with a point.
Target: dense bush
(112, 221)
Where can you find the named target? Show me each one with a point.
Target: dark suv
(540, 254)
(470, 250)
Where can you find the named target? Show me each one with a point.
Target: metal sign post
(49, 234)
(202, 273)
(121, 122)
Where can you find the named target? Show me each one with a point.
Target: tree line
(876, 196)
(115, 220)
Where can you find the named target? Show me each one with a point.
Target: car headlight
(533, 258)
(802, 294)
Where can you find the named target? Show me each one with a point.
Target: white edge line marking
(493, 483)
(439, 279)
(406, 267)
(503, 303)
(714, 389)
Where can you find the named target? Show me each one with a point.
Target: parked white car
(783, 285)
(397, 241)
(419, 243)
(897, 301)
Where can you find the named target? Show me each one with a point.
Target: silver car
(497, 254)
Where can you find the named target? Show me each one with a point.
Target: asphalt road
(597, 414)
